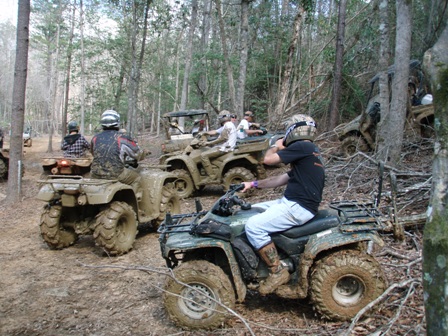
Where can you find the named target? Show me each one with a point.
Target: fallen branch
(169, 272)
(377, 300)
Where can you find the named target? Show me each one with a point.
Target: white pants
(280, 215)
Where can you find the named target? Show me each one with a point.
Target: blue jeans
(280, 215)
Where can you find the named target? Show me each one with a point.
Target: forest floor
(81, 291)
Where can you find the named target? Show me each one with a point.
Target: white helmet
(110, 118)
(224, 116)
(300, 127)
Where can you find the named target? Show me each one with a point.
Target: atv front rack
(179, 223)
(356, 216)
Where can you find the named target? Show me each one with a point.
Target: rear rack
(356, 216)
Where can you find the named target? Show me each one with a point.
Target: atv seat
(324, 219)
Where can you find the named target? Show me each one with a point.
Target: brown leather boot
(278, 275)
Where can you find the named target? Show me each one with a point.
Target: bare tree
(284, 91)
(136, 64)
(18, 103)
(189, 55)
(435, 241)
(337, 78)
(68, 72)
(391, 127)
(202, 86)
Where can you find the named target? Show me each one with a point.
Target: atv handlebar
(224, 206)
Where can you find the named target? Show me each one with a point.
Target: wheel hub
(197, 301)
(348, 290)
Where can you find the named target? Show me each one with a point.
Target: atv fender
(238, 157)
(96, 191)
(328, 240)
(152, 182)
(333, 238)
(106, 193)
(187, 162)
(185, 242)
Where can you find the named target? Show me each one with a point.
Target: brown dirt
(80, 291)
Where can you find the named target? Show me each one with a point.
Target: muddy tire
(237, 175)
(168, 203)
(353, 144)
(53, 233)
(3, 170)
(184, 183)
(189, 308)
(116, 228)
(345, 282)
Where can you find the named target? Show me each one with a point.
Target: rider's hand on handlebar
(247, 186)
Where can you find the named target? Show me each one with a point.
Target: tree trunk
(83, 75)
(337, 78)
(391, 127)
(226, 56)
(384, 58)
(435, 239)
(18, 103)
(189, 55)
(244, 49)
(68, 72)
(205, 37)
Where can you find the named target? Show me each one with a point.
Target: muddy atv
(4, 163)
(181, 127)
(360, 133)
(108, 209)
(329, 259)
(244, 163)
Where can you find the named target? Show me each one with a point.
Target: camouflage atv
(360, 133)
(329, 259)
(108, 209)
(244, 163)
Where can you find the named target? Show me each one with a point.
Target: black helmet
(73, 126)
(110, 119)
(300, 127)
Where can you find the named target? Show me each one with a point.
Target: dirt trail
(70, 292)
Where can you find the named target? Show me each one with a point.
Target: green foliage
(107, 54)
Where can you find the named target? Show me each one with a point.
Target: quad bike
(4, 163)
(108, 209)
(244, 163)
(179, 137)
(66, 166)
(360, 133)
(213, 263)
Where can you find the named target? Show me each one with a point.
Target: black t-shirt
(307, 174)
